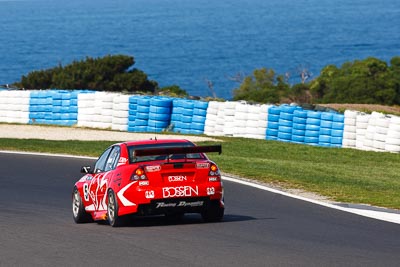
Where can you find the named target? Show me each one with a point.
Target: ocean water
(193, 42)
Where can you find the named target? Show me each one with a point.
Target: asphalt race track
(259, 229)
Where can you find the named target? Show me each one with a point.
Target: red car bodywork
(147, 178)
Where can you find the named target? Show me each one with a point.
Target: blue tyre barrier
(142, 116)
(327, 116)
(140, 122)
(200, 112)
(314, 115)
(313, 121)
(157, 124)
(312, 127)
(273, 117)
(325, 131)
(143, 109)
(311, 140)
(337, 125)
(159, 116)
(337, 133)
(274, 110)
(272, 132)
(273, 125)
(299, 120)
(200, 105)
(198, 119)
(161, 102)
(298, 132)
(326, 124)
(311, 133)
(286, 116)
(338, 118)
(298, 138)
(299, 126)
(300, 113)
(324, 139)
(157, 109)
(283, 122)
(285, 136)
(197, 126)
(285, 129)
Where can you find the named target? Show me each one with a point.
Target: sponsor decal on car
(177, 178)
(149, 194)
(142, 183)
(153, 168)
(122, 161)
(180, 191)
(203, 165)
(180, 204)
(210, 191)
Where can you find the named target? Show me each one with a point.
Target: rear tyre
(78, 210)
(112, 211)
(213, 213)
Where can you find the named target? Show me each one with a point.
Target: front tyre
(112, 211)
(213, 213)
(78, 210)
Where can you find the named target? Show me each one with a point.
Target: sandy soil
(73, 133)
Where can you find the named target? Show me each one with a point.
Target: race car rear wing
(178, 150)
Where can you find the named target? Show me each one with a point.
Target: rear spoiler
(178, 150)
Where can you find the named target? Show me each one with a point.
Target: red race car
(151, 177)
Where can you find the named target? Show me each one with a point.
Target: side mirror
(86, 169)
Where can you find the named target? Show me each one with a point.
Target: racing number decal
(86, 192)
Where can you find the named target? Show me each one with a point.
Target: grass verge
(344, 175)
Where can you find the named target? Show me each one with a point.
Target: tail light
(214, 171)
(138, 175)
(214, 174)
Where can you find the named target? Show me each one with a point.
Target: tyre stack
(393, 135)
(186, 117)
(299, 126)
(350, 129)
(199, 117)
(368, 143)
(381, 131)
(40, 107)
(361, 129)
(86, 111)
(120, 113)
(227, 118)
(176, 115)
(220, 123)
(104, 104)
(142, 114)
(240, 119)
(313, 121)
(159, 114)
(285, 123)
(132, 113)
(64, 107)
(259, 132)
(211, 118)
(252, 129)
(337, 130)
(273, 123)
(325, 130)
(14, 106)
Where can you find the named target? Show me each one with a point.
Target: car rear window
(134, 159)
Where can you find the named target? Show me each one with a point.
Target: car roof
(155, 141)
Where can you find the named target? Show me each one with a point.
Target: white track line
(379, 215)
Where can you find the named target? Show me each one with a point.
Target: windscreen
(134, 159)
